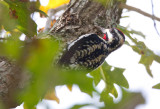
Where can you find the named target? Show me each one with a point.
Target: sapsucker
(90, 50)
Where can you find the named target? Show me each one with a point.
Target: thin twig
(155, 26)
(131, 8)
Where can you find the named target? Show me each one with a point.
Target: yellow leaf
(8, 33)
(53, 4)
(50, 95)
(69, 87)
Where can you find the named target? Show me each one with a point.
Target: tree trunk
(83, 16)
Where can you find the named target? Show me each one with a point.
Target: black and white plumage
(90, 50)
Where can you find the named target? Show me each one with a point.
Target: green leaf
(105, 2)
(46, 75)
(157, 86)
(96, 75)
(110, 77)
(109, 2)
(157, 58)
(137, 33)
(43, 13)
(115, 75)
(21, 11)
(12, 48)
(2, 105)
(125, 17)
(79, 106)
(128, 32)
(71, 77)
(39, 57)
(107, 99)
(147, 55)
(5, 20)
(129, 100)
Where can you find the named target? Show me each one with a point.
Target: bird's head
(114, 38)
(112, 34)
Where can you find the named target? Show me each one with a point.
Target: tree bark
(10, 80)
(81, 17)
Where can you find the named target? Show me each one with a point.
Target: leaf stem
(103, 75)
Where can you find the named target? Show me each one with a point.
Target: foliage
(20, 11)
(129, 101)
(147, 55)
(38, 55)
(157, 86)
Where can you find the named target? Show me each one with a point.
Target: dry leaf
(51, 95)
(69, 87)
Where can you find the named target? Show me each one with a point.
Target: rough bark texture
(12, 80)
(81, 17)
(9, 81)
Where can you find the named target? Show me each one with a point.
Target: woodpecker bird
(90, 50)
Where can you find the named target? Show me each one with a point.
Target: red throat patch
(105, 37)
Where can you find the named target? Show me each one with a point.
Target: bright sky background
(135, 73)
(126, 58)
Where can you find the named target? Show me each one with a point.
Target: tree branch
(154, 22)
(131, 8)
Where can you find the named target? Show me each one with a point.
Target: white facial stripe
(118, 33)
(110, 36)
